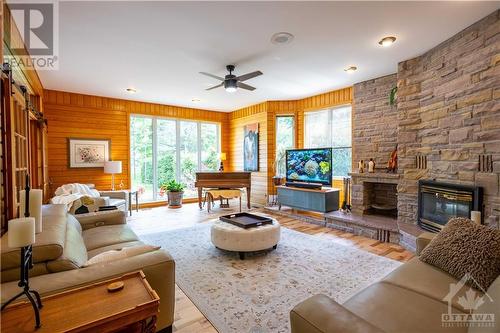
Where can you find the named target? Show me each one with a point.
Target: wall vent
(421, 161)
(485, 163)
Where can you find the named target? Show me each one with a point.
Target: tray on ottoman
(246, 220)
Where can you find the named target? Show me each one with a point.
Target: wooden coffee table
(90, 308)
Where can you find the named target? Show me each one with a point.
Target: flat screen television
(309, 165)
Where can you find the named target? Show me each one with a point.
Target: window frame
(294, 136)
(330, 110)
(154, 147)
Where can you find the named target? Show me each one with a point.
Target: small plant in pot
(175, 191)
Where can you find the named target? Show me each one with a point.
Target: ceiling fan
(232, 82)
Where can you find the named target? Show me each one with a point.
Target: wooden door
(4, 80)
(45, 163)
(17, 132)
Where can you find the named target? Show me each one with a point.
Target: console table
(90, 308)
(324, 200)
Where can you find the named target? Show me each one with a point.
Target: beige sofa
(65, 244)
(409, 300)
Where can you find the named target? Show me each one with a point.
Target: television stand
(312, 186)
(323, 200)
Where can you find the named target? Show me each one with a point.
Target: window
(331, 128)
(141, 155)
(164, 149)
(285, 139)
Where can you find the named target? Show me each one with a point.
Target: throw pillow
(84, 205)
(466, 247)
(122, 253)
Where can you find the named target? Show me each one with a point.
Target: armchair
(116, 198)
(69, 194)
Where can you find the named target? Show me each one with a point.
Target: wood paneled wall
(84, 116)
(240, 118)
(265, 114)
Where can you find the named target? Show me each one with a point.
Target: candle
(35, 208)
(475, 216)
(21, 232)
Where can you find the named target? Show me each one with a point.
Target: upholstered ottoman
(229, 237)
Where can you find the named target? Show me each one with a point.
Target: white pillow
(123, 253)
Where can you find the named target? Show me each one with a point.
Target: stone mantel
(375, 177)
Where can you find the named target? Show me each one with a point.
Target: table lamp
(21, 234)
(113, 167)
(223, 157)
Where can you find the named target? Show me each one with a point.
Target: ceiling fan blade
(217, 86)
(248, 76)
(245, 86)
(212, 76)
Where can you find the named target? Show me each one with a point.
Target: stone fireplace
(445, 126)
(375, 193)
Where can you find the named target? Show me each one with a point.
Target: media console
(318, 200)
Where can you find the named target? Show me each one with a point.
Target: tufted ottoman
(229, 237)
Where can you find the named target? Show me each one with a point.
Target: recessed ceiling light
(350, 69)
(196, 100)
(387, 41)
(131, 90)
(281, 38)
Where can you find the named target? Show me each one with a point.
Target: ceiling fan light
(230, 84)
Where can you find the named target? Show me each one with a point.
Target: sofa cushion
(73, 221)
(108, 235)
(99, 250)
(125, 252)
(425, 279)
(395, 310)
(54, 209)
(117, 202)
(13, 274)
(490, 306)
(49, 244)
(464, 247)
(86, 204)
(74, 254)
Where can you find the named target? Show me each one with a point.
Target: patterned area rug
(256, 294)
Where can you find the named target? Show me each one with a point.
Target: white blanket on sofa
(68, 193)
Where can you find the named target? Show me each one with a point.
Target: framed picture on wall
(88, 153)
(251, 147)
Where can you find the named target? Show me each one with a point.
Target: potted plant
(175, 191)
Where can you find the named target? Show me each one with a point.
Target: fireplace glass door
(438, 206)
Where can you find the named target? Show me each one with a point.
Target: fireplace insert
(439, 202)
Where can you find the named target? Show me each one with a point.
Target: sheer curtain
(331, 128)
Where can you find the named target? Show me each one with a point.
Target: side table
(130, 194)
(91, 308)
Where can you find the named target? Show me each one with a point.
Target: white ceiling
(159, 47)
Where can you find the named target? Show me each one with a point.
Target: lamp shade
(113, 167)
(21, 232)
(223, 156)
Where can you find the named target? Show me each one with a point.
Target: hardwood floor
(188, 319)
